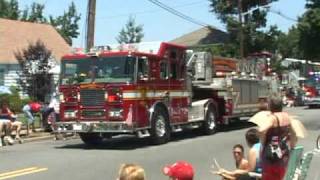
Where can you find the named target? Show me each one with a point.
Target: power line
(179, 14)
(149, 11)
(283, 15)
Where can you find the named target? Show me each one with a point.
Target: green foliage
(288, 44)
(9, 9)
(309, 31)
(13, 100)
(225, 50)
(131, 33)
(254, 19)
(67, 24)
(34, 78)
(35, 14)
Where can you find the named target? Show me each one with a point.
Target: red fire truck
(150, 90)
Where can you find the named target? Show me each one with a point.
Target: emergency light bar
(147, 47)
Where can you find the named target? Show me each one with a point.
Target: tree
(131, 33)
(9, 10)
(67, 24)
(309, 31)
(36, 13)
(34, 77)
(253, 19)
(288, 44)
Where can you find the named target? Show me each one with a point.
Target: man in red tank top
(29, 109)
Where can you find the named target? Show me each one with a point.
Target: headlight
(106, 95)
(61, 98)
(70, 114)
(115, 113)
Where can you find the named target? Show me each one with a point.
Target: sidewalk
(35, 136)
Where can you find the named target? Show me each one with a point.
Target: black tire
(209, 124)
(160, 129)
(91, 139)
(318, 142)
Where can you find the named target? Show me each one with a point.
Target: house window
(1, 77)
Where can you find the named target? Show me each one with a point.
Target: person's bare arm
(293, 138)
(252, 159)
(263, 130)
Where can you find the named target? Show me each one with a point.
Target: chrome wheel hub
(160, 126)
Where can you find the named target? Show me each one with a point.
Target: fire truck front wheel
(160, 130)
(91, 138)
(209, 125)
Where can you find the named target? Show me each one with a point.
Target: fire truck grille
(92, 97)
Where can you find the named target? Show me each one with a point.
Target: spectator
(5, 118)
(180, 170)
(131, 172)
(29, 110)
(50, 113)
(277, 129)
(1, 128)
(241, 163)
(16, 125)
(254, 160)
(252, 138)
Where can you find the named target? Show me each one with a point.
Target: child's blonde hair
(131, 172)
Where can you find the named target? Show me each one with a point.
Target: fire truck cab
(147, 90)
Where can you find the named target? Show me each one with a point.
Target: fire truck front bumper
(99, 127)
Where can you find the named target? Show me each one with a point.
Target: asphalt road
(71, 159)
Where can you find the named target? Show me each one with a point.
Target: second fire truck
(150, 91)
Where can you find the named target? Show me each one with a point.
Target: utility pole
(240, 28)
(90, 24)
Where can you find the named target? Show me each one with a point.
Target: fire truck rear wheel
(91, 138)
(209, 125)
(160, 130)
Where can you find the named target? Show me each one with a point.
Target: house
(204, 36)
(16, 36)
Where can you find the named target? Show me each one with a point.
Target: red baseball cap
(180, 170)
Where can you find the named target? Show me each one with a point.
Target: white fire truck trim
(154, 94)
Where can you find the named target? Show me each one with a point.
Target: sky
(158, 24)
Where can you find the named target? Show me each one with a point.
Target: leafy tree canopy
(9, 9)
(131, 33)
(309, 31)
(254, 18)
(67, 24)
(34, 77)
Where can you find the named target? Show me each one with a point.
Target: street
(71, 159)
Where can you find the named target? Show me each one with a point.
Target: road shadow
(311, 108)
(131, 142)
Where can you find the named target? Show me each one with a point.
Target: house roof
(17, 35)
(205, 35)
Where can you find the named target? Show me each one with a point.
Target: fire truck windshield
(102, 69)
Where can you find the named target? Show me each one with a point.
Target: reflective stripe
(132, 95)
(153, 94)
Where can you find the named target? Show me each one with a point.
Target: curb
(32, 139)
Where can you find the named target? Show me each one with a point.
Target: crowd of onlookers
(10, 123)
(267, 158)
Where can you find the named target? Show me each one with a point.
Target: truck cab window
(143, 68)
(173, 71)
(163, 70)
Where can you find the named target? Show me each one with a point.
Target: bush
(13, 100)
